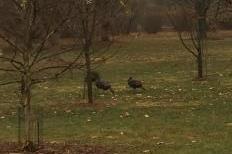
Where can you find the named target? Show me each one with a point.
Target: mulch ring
(56, 148)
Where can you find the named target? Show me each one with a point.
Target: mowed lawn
(176, 114)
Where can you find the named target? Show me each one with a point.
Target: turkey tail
(112, 91)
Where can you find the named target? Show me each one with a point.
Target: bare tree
(195, 11)
(27, 27)
(92, 17)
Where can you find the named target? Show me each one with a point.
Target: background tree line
(151, 15)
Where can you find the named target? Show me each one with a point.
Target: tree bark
(88, 73)
(26, 102)
(201, 10)
(27, 110)
(200, 66)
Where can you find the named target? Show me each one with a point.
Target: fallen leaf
(127, 114)
(53, 142)
(146, 151)
(110, 137)
(159, 143)
(93, 137)
(146, 116)
(68, 111)
(155, 138)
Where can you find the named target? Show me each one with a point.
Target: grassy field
(176, 114)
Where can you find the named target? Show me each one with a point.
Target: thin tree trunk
(27, 110)
(26, 100)
(201, 35)
(200, 66)
(88, 72)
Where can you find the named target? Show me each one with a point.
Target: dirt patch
(9, 148)
(56, 148)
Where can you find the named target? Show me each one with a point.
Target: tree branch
(7, 40)
(7, 70)
(56, 54)
(185, 45)
(47, 37)
(9, 82)
(11, 60)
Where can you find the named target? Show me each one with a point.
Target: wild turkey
(135, 83)
(104, 85)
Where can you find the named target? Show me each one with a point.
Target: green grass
(174, 115)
